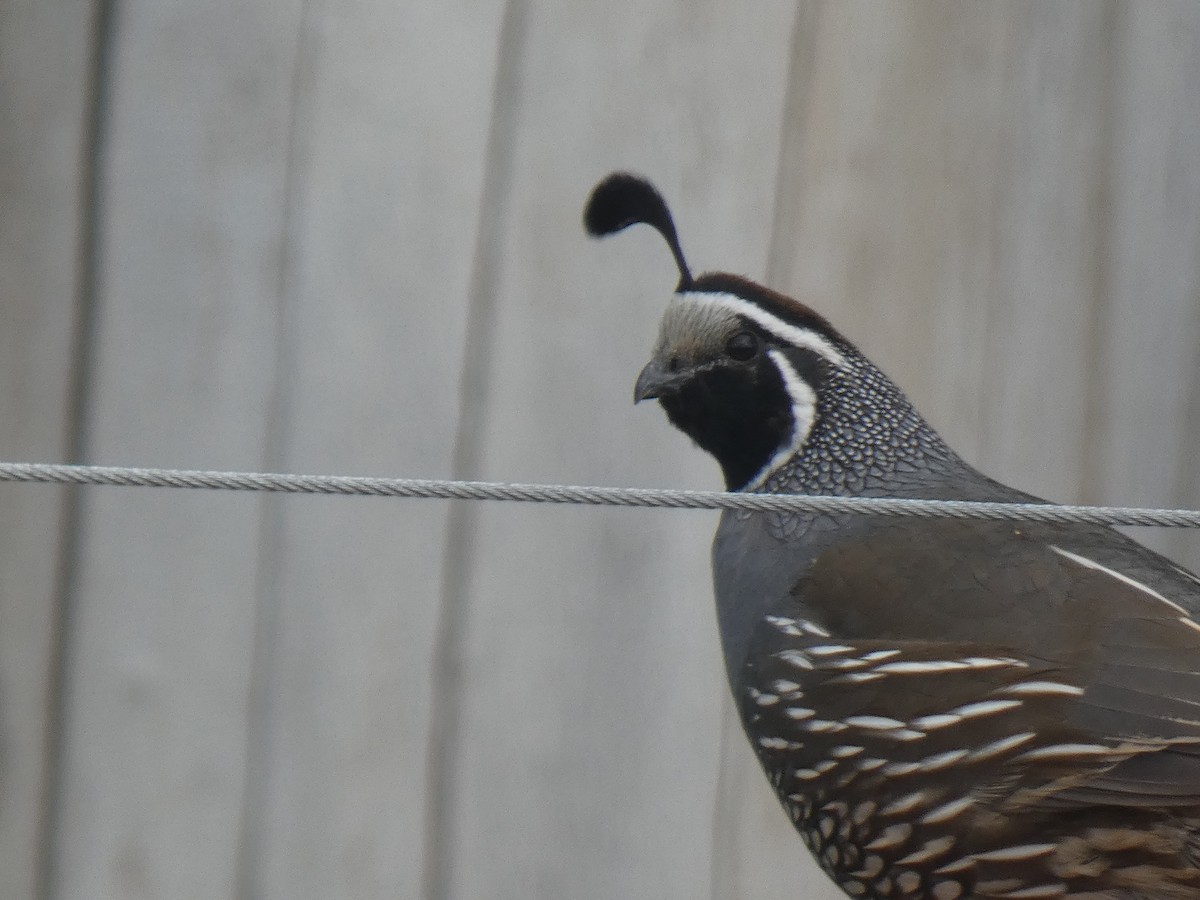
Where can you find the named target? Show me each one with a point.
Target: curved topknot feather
(621, 200)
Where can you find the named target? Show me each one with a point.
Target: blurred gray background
(343, 236)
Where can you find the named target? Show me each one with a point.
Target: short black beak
(655, 380)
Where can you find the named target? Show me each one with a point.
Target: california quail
(946, 709)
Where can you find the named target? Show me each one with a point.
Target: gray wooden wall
(342, 236)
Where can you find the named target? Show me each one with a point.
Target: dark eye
(742, 346)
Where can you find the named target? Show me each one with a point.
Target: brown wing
(964, 765)
(1105, 654)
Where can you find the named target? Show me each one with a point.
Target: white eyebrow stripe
(804, 415)
(799, 337)
(1120, 576)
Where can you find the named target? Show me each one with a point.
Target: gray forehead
(697, 324)
(691, 322)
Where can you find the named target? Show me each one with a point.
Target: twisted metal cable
(123, 476)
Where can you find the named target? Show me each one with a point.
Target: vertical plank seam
(723, 874)
(1091, 477)
(1185, 488)
(990, 392)
(256, 788)
(85, 320)
(803, 57)
(446, 706)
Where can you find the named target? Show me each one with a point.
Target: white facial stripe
(804, 413)
(799, 337)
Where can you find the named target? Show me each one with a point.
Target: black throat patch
(740, 415)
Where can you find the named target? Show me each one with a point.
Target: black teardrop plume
(621, 200)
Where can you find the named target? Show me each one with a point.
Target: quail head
(946, 709)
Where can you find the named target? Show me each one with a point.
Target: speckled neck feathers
(866, 439)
